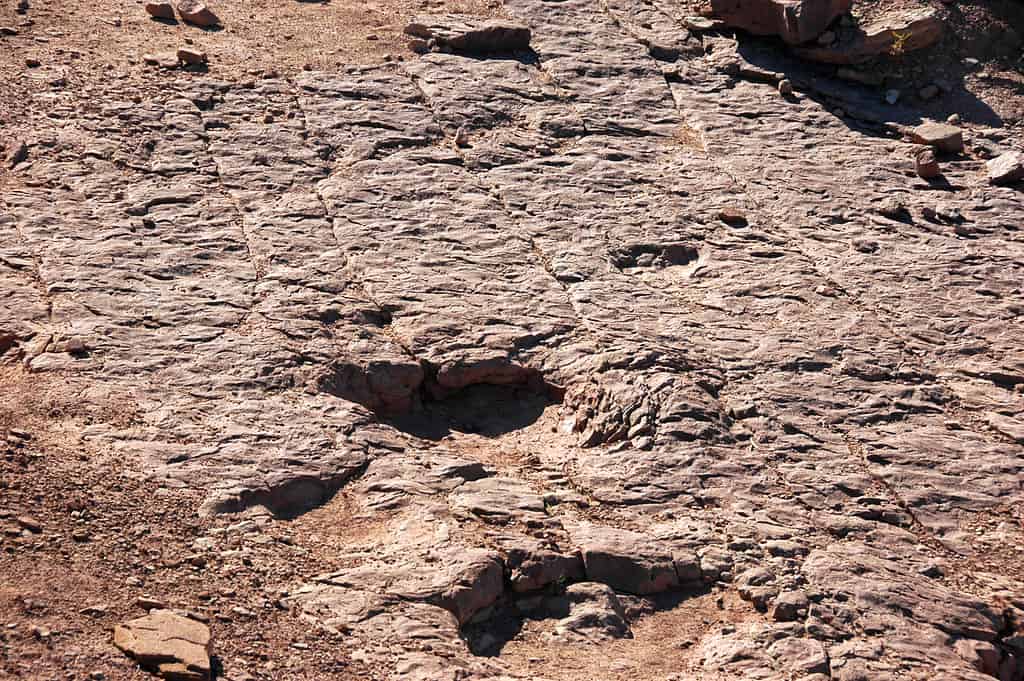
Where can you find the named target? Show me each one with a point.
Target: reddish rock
(1007, 168)
(160, 10)
(926, 165)
(195, 12)
(894, 35)
(795, 21)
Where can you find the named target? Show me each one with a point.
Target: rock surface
(596, 328)
(795, 21)
(172, 646)
(460, 33)
(1006, 168)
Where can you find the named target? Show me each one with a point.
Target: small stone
(97, 676)
(1006, 169)
(18, 154)
(733, 217)
(191, 57)
(95, 610)
(8, 30)
(160, 10)
(892, 96)
(947, 139)
(926, 165)
(785, 87)
(147, 603)
(954, 119)
(195, 12)
(29, 523)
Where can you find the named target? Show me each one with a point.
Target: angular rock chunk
(462, 33)
(625, 560)
(195, 12)
(795, 21)
(160, 10)
(946, 138)
(1007, 168)
(19, 152)
(170, 645)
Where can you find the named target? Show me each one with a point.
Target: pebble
(160, 10)
(29, 523)
(926, 165)
(785, 87)
(892, 96)
(191, 57)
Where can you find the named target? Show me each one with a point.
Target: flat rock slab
(168, 644)
(795, 21)
(461, 33)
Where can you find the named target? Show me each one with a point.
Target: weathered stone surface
(795, 21)
(195, 12)
(461, 33)
(893, 35)
(948, 139)
(624, 560)
(160, 10)
(493, 299)
(594, 615)
(1006, 168)
(170, 645)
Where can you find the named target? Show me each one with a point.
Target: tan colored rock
(1007, 168)
(168, 644)
(195, 12)
(187, 55)
(945, 138)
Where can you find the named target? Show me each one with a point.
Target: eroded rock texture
(739, 340)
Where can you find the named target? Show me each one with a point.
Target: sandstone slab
(172, 646)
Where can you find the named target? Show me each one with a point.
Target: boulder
(795, 21)
(187, 55)
(460, 33)
(167, 644)
(195, 12)
(1007, 168)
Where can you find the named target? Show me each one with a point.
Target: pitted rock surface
(574, 328)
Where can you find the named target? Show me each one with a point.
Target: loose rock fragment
(191, 56)
(926, 165)
(1007, 168)
(947, 139)
(195, 12)
(160, 10)
(17, 154)
(168, 644)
